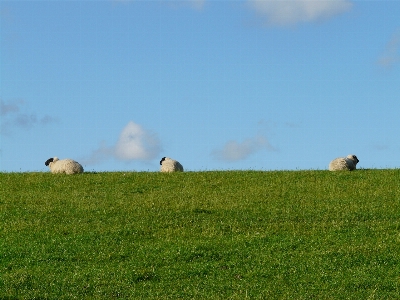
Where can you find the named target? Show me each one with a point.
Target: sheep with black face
(170, 165)
(344, 163)
(67, 166)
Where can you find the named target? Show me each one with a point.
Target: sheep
(67, 166)
(170, 165)
(344, 163)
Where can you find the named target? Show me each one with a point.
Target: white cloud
(289, 12)
(134, 143)
(391, 53)
(234, 151)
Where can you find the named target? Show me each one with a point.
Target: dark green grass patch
(200, 235)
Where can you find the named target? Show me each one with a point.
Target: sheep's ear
(48, 161)
(162, 159)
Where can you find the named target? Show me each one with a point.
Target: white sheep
(344, 163)
(170, 165)
(67, 166)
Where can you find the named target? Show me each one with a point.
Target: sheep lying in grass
(170, 165)
(67, 166)
(344, 163)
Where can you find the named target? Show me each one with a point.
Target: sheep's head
(353, 157)
(48, 161)
(51, 160)
(162, 159)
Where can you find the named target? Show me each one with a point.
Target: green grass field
(200, 235)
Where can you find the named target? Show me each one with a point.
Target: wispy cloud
(134, 143)
(380, 147)
(197, 4)
(391, 54)
(290, 12)
(234, 151)
(102, 153)
(194, 4)
(12, 107)
(13, 117)
(28, 121)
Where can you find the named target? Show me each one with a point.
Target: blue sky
(216, 85)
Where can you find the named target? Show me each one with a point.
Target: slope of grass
(201, 235)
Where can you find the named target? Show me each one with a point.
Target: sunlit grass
(201, 235)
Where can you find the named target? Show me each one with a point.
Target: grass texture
(200, 235)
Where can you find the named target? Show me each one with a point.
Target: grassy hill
(201, 235)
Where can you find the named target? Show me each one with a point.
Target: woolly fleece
(344, 163)
(170, 165)
(67, 166)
